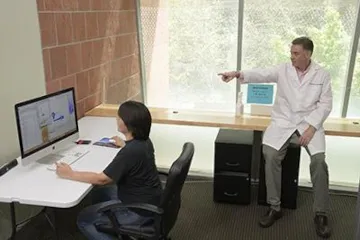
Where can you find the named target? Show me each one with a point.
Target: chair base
(133, 238)
(108, 229)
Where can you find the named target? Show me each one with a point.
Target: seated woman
(131, 177)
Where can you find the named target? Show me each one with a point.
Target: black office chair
(165, 214)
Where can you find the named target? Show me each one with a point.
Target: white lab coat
(297, 104)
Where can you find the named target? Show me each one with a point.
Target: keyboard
(68, 156)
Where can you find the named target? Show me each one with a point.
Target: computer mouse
(112, 140)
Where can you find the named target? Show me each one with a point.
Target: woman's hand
(118, 141)
(64, 170)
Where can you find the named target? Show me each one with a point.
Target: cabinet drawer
(233, 157)
(232, 188)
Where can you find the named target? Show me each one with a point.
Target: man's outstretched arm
(268, 75)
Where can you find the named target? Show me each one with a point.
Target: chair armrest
(163, 173)
(143, 206)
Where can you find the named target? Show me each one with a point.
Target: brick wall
(91, 45)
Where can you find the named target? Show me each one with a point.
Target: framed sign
(260, 93)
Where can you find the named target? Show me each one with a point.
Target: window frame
(351, 66)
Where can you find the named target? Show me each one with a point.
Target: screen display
(44, 121)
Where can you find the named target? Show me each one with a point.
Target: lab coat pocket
(316, 82)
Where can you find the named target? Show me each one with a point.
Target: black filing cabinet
(232, 172)
(289, 178)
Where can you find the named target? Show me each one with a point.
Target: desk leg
(53, 222)
(13, 220)
(49, 220)
(14, 224)
(57, 233)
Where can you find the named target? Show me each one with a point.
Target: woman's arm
(63, 170)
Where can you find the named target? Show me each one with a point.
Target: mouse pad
(106, 142)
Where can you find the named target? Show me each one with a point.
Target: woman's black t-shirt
(134, 171)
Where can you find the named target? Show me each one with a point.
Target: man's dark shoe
(322, 226)
(270, 217)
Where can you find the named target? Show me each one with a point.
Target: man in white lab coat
(302, 104)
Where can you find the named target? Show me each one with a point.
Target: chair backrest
(171, 198)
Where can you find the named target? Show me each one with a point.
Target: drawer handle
(232, 164)
(230, 194)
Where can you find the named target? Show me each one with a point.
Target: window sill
(333, 126)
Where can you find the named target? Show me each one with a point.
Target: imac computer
(47, 129)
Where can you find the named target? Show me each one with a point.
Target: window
(271, 25)
(186, 44)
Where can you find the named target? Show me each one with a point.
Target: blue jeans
(104, 196)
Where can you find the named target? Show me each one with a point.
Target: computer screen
(45, 120)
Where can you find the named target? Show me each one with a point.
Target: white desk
(36, 185)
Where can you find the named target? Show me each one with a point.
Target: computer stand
(15, 225)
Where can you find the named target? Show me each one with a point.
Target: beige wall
(21, 67)
(21, 77)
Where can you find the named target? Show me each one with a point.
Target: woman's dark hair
(137, 119)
